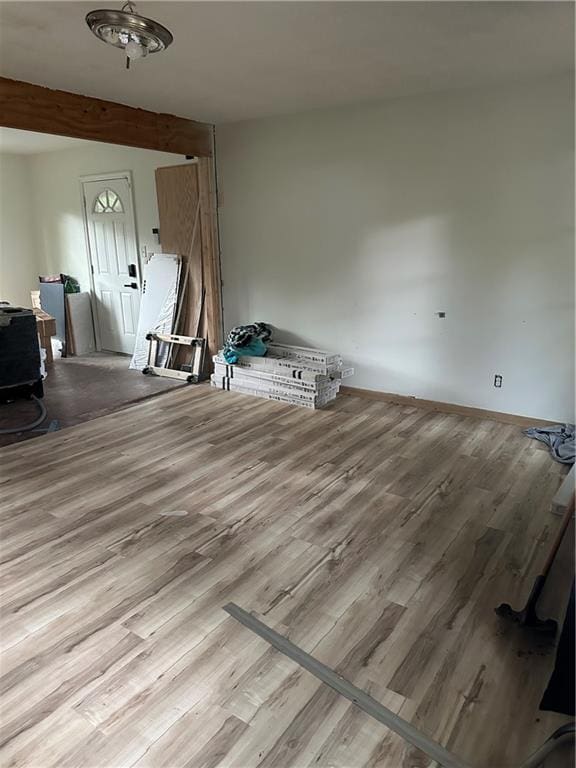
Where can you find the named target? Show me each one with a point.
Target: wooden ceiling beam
(36, 108)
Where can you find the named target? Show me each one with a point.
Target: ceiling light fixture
(126, 29)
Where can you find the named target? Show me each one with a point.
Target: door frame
(46, 110)
(36, 108)
(113, 176)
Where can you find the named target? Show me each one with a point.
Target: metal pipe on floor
(375, 709)
(342, 686)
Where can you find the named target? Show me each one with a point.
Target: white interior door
(114, 261)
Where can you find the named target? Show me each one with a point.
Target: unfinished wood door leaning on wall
(182, 191)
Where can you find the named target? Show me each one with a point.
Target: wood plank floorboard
(378, 537)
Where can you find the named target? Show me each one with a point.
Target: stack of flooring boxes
(306, 377)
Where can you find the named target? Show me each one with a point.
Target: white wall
(20, 263)
(349, 229)
(55, 179)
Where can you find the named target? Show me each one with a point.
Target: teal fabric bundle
(247, 340)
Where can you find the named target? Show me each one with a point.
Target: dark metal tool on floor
(527, 616)
(375, 709)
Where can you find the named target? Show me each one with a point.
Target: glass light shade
(136, 34)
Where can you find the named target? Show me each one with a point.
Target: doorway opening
(80, 222)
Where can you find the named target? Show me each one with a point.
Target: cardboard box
(296, 369)
(237, 371)
(304, 353)
(232, 386)
(225, 382)
(273, 386)
(308, 381)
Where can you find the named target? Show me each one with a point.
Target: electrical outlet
(497, 381)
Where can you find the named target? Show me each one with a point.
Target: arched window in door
(108, 202)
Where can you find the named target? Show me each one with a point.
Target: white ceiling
(237, 60)
(14, 142)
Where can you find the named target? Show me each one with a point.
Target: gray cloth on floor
(559, 438)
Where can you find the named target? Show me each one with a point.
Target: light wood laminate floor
(378, 537)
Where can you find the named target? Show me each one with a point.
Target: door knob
(130, 285)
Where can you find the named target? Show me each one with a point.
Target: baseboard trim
(434, 405)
